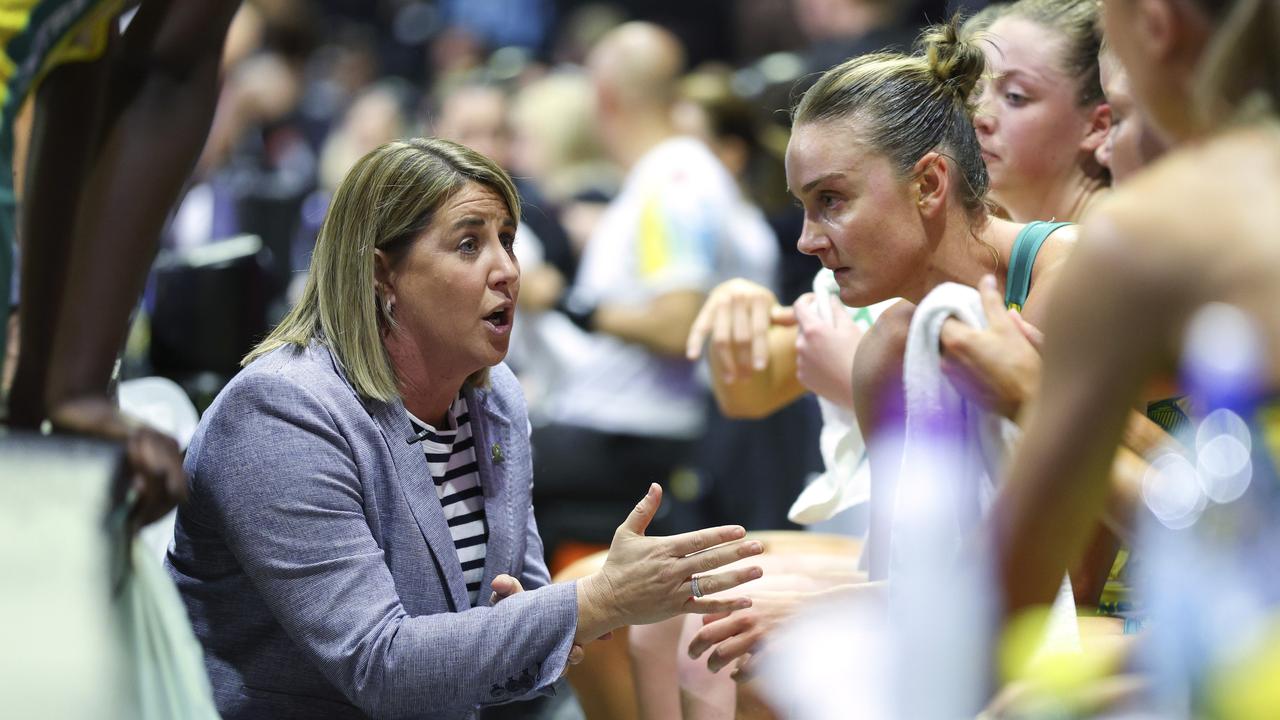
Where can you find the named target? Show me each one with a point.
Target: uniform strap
(1023, 258)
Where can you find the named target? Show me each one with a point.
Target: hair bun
(954, 60)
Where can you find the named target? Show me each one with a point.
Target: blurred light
(1171, 491)
(748, 82)
(415, 23)
(507, 63)
(1224, 468)
(1223, 422)
(1223, 355)
(781, 67)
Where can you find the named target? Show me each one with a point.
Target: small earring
(389, 308)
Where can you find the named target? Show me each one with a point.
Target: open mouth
(500, 319)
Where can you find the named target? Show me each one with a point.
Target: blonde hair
(385, 202)
(1238, 79)
(909, 105)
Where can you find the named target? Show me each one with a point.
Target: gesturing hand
(999, 367)
(648, 579)
(736, 316)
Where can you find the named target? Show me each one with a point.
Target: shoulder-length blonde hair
(385, 202)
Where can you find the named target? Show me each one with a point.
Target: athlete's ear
(931, 182)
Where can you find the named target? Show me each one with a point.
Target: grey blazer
(317, 567)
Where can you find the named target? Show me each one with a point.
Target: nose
(812, 239)
(505, 270)
(984, 117)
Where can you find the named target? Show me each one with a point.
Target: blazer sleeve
(280, 480)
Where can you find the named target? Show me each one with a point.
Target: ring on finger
(695, 591)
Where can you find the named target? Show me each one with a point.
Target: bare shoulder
(1188, 204)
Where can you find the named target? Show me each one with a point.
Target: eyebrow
(814, 182)
(477, 221)
(1016, 73)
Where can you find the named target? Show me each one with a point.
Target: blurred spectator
(631, 408)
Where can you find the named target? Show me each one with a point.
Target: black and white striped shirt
(451, 456)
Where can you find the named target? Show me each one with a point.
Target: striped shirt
(451, 457)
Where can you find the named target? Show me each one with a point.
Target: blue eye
(1016, 99)
(468, 245)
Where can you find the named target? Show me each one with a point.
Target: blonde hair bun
(954, 60)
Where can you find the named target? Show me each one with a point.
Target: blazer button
(495, 452)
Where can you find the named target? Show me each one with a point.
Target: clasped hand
(997, 367)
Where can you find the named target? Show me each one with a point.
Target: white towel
(953, 454)
(846, 478)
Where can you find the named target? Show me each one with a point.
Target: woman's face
(455, 289)
(1158, 44)
(1029, 122)
(860, 217)
(1130, 143)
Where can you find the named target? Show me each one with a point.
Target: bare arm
(1104, 334)
(661, 326)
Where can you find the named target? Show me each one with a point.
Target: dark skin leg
(134, 158)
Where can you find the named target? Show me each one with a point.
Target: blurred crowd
(310, 87)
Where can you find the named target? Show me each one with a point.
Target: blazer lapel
(492, 430)
(414, 479)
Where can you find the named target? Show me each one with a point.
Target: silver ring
(697, 591)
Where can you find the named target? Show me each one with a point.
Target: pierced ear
(1098, 129)
(932, 181)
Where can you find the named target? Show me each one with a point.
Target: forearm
(761, 392)
(661, 326)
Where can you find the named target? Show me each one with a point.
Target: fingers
(743, 342)
(782, 315)
(1029, 331)
(721, 581)
(760, 313)
(699, 540)
(992, 302)
(714, 633)
(720, 556)
(504, 586)
(698, 333)
(638, 521)
(722, 343)
(715, 617)
(955, 336)
(744, 669)
(704, 605)
(734, 648)
(806, 313)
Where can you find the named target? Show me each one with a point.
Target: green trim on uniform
(1023, 259)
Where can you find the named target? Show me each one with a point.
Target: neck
(633, 133)
(1066, 201)
(964, 249)
(427, 392)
